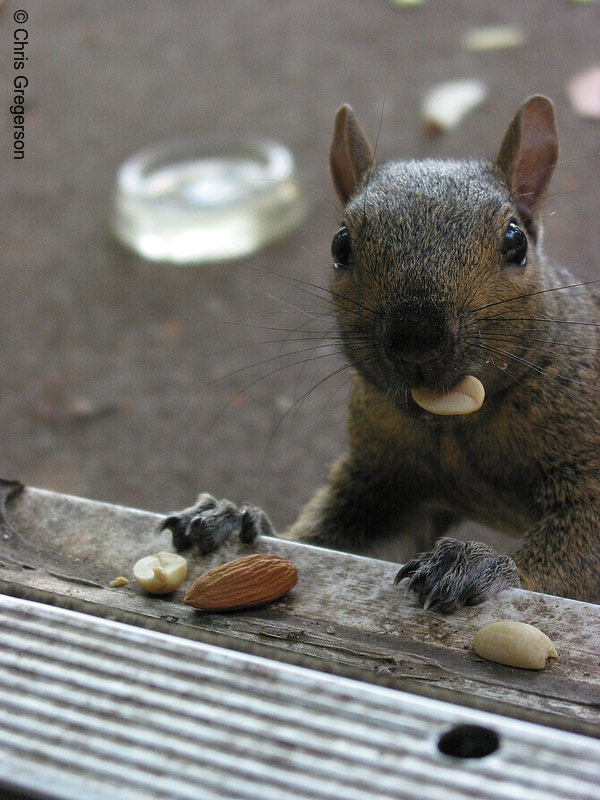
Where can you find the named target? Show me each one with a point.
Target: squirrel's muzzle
(418, 342)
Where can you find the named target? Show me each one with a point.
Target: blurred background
(143, 383)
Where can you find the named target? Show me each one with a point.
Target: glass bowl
(190, 202)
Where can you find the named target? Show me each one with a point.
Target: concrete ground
(141, 383)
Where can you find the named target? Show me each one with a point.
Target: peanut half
(161, 573)
(465, 398)
(246, 582)
(515, 644)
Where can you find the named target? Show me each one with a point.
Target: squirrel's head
(431, 254)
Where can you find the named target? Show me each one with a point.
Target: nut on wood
(516, 644)
(160, 573)
(244, 583)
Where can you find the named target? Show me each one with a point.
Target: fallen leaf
(583, 91)
(408, 3)
(493, 37)
(445, 105)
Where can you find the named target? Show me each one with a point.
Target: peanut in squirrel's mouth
(464, 398)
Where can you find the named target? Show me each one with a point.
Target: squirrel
(476, 364)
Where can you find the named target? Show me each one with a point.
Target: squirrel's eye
(341, 248)
(514, 246)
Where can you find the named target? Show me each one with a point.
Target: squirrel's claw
(455, 574)
(211, 522)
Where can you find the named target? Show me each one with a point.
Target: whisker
(560, 381)
(526, 295)
(263, 377)
(272, 359)
(275, 329)
(317, 291)
(515, 337)
(305, 188)
(542, 319)
(537, 349)
(299, 401)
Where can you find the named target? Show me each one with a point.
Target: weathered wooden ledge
(344, 616)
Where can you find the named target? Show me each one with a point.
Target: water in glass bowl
(189, 202)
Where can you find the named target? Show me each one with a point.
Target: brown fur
(425, 299)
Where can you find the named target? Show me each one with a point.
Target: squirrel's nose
(418, 359)
(416, 337)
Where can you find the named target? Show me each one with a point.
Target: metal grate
(91, 708)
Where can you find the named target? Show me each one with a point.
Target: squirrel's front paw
(455, 574)
(210, 522)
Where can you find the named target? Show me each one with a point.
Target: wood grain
(343, 616)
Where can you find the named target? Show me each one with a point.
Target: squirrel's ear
(350, 154)
(528, 155)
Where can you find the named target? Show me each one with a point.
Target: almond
(246, 582)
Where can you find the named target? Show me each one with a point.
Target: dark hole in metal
(468, 741)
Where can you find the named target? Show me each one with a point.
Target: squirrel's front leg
(560, 556)
(357, 506)
(340, 515)
(347, 512)
(455, 574)
(362, 504)
(210, 522)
